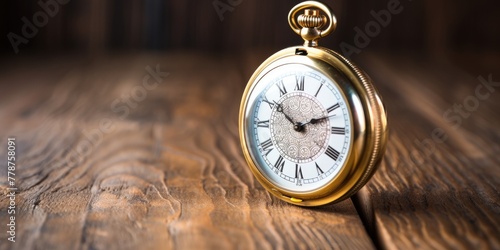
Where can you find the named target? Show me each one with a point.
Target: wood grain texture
(166, 174)
(435, 194)
(169, 172)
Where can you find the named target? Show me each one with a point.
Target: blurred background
(446, 29)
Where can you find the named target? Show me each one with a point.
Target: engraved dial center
(298, 143)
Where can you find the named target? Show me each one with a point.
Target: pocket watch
(312, 126)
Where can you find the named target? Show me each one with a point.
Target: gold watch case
(368, 116)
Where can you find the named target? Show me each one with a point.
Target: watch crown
(312, 25)
(311, 19)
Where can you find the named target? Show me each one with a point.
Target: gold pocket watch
(312, 126)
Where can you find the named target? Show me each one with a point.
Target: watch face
(298, 127)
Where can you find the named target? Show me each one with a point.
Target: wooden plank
(432, 194)
(168, 173)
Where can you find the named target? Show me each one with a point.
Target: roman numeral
(299, 85)
(338, 131)
(263, 124)
(332, 153)
(298, 172)
(318, 169)
(317, 92)
(271, 104)
(282, 88)
(280, 163)
(267, 146)
(332, 108)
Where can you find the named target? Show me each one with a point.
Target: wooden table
(110, 156)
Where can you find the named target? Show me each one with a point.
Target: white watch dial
(298, 127)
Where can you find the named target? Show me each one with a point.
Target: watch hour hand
(279, 108)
